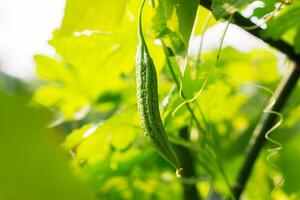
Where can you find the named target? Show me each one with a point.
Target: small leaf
(286, 20)
(268, 7)
(223, 8)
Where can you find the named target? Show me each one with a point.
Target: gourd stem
(186, 159)
(140, 28)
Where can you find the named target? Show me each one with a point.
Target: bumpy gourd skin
(147, 95)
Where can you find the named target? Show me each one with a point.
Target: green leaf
(51, 69)
(286, 20)
(101, 15)
(268, 7)
(204, 20)
(223, 8)
(259, 177)
(214, 108)
(85, 68)
(173, 22)
(94, 143)
(66, 100)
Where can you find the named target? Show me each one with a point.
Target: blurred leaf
(289, 157)
(94, 143)
(268, 7)
(223, 8)
(216, 109)
(92, 15)
(259, 178)
(78, 135)
(12, 85)
(33, 166)
(87, 68)
(203, 16)
(286, 20)
(253, 66)
(69, 102)
(51, 69)
(293, 117)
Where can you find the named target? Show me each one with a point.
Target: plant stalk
(186, 160)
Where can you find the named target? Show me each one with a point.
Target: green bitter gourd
(147, 95)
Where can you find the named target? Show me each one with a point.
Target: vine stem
(258, 139)
(186, 159)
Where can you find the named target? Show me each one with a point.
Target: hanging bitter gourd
(147, 95)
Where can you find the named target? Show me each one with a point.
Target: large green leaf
(84, 70)
(173, 22)
(88, 66)
(101, 15)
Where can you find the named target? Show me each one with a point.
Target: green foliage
(95, 74)
(89, 86)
